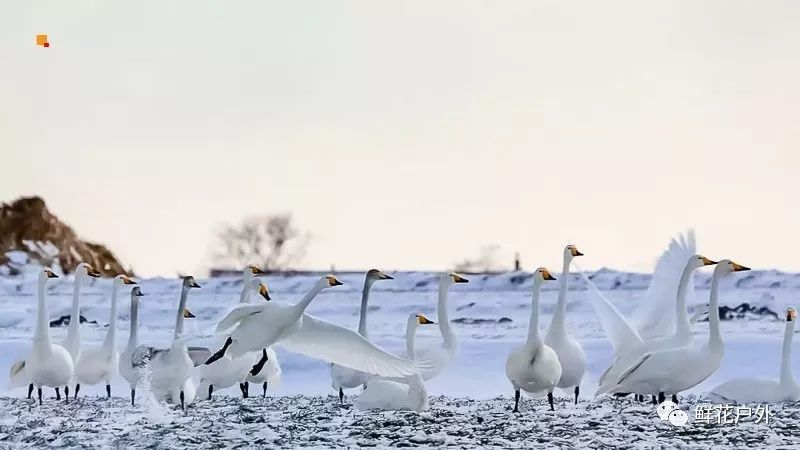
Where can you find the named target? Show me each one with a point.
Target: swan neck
(441, 313)
(560, 313)
(682, 325)
(533, 326)
(786, 354)
(362, 320)
(133, 338)
(74, 330)
(181, 306)
(111, 335)
(300, 308)
(244, 296)
(410, 329)
(714, 336)
(42, 334)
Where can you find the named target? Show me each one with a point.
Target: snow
(471, 400)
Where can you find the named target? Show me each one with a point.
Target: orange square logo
(41, 39)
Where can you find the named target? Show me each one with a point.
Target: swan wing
(17, 368)
(237, 315)
(323, 340)
(199, 355)
(143, 354)
(752, 390)
(655, 315)
(620, 332)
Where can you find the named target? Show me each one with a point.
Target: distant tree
(486, 261)
(270, 241)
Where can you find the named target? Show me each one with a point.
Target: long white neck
(42, 334)
(441, 311)
(133, 337)
(534, 338)
(300, 307)
(244, 297)
(411, 327)
(179, 317)
(74, 330)
(682, 325)
(559, 315)
(362, 320)
(714, 336)
(786, 355)
(111, 335)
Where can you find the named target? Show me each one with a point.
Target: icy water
(320, 422)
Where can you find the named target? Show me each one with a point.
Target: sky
(409, 135)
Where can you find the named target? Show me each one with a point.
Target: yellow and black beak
(126, 280)
(458, 278)
(256, 270)
(262, 290)
(383, 276)
(92, 272)
(187, 314)
(333, 281)
(707, 262)
(575, 252)
(50, 273)
(546, 275)
(422, 320)
(738, 267)
(791, 314)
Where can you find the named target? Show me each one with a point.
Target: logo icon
(41, 40)
(665, 408)
(678, 417)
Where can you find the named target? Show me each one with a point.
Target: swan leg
(246, 393)
(516, 401)
(655, 400)
(220, 353)
(66, 393)
(30, 390)
(39, 393)
(241, 388)
(260, 364)
(550, 400)
(183, 404)
(133, 396)
(58, 394)
(264, 385)
(341, 396)
(210, 390)
(661, 397)
(77, 389)
(577, 391)
(675, 398)
(108, 390)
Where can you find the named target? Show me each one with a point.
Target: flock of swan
(653, 350)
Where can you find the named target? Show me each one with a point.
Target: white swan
(49, 364)
(393, 395)
(230, 370)
(437, 358)
(765, 390)
(342, 377)
(101, 363)
(132, 375)
(170, 367)
(570, 352)
(19, 376)
(534, 366)
(677, 369)
(261, 326)
(629, 345)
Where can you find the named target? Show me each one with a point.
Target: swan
(261, 326)
(439, 357)
(570, 352)
(73, 340)
(49, 364)
(170, 367)
(675, 370)
(630, 345)
(765, 390)
(342, 377)
(132, 374)
(534, 366)
(228, 370)
(101, 363)
(393, 395)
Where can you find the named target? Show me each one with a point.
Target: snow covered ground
(490, 315)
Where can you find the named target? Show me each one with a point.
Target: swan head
(376, 275)
(123, 279)
(571, 251)
(189, 283)
(417, 319)
(791, 314)
(263, 291)
(86, 269)
(452, 278)
(542, 274)
(727, 266)
(422, 320)
(331, 281)
(136, 293)
(253, 270)
(188, 314)
(47, 273)
(698, 261)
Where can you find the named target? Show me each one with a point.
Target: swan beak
(791, 314)
(707, 262)
(187, 314)
(383, 276)
(262, 290)
(50, 273)
(126, 280)
(575, 252)
(738, 267)
(256, 270)
(424, 320)
(93, 273)
(194, 284)
(458, 278)
(546, 275)
(333, 281)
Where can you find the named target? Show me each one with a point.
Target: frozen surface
(752, 348)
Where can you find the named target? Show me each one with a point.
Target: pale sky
(407, 135)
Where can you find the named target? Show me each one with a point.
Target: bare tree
(271, 241)
(484, 262)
